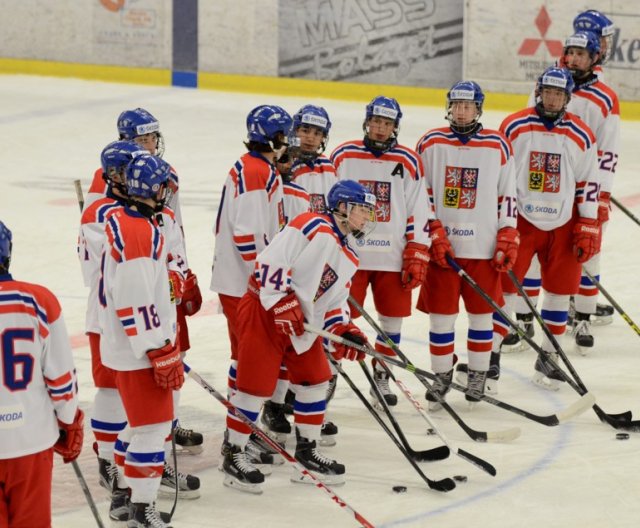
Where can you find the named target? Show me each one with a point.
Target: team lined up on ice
(297, 233)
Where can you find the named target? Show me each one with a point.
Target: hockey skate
(546, 375)
(188, 485)
(326, 470)
(493, 374)
(120, 504)
(255, 455)
(603, 315)
(582, 333)
(108, 472)
(381, 379)
(288, 402)
(275, 421)
(188, 441)
(328, 434)
(239, 472)
(476, 380)
(512, 341)
(144, 515)
(441, 385)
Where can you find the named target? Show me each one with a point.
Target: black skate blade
(431, 455)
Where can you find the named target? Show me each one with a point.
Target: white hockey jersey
(597, 105)
(295, 201)
(311, 257)
(316, 178)
(136, 313)
(556, 167)
(91, 240)
(38, 374)
(249, 216)
(396, 179)
(471, 183)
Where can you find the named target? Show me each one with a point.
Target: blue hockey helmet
(558, 78)
(583, 40)
(148, 177)
(465, 91)
(311, 116)
(114, 159)
(352, 193)
(5, 247)
(139, 122)
(388, 108)
(266, 122)
(596, 22)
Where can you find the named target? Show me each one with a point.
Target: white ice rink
(573, 475)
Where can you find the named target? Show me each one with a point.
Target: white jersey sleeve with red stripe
(295, 200)
(471, 182)
(137, 314)
(317, 178)
(396, 178)
(39, 382)
(312, 258)
(556, 167)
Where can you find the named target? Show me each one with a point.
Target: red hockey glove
(415, 258)
(288, 316)
(191, 296)
(168, 370)
(440, 245)
(69, 442)
(352, 333)
(604, 206)
(506, 252)
(586, 239)
(176, 286)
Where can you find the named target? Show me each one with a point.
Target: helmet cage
(559, 78)
(464, 91)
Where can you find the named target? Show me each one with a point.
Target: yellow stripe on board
(629, 110)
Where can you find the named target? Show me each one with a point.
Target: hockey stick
(550, 420)
(423, 375)
(613, 302)
(79, 195)
(429, 455)
(617, 421)
(87, 493)
(482, 464)
(625, 210)
(445, 484)
(275, 446)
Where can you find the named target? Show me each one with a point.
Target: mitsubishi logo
(530, 46)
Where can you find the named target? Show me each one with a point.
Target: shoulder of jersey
(602, 95)
(99, 210)
(295, 190)
(166, 210)
(32, 298)
(133, 237)
(251, 173)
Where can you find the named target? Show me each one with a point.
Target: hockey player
(595, 22)
(470, 177)
(40, 412)
(138, 322)
(143, 128)
(597, 105)
(249, 216)
(394, 261)
(557, 192)
(302, 275)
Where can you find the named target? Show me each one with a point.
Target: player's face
(360, 216)
(310, 137)
(578, 59)
(380, 128)
(148, 142)
(463, 112)
(553, 99)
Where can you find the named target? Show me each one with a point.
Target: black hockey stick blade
(430, 455)
(478, 462)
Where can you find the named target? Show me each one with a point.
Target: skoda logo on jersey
(147, 128)
(447, 230)
(383, 111)
(528, 208)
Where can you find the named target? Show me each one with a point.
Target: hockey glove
(69, 442)
(440, 245)
(176, 286)
(191, 296)
(586, 239)
(352, 333)
(168, 370)
(506, 252)
(604, 206)
(288, 316)
(415, 258)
